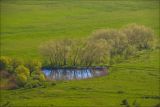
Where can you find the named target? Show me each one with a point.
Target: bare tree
(101, 47)
(57, 52)
(140, 36)
(116, 40)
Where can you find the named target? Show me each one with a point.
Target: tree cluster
(103, 47)
(22, 73)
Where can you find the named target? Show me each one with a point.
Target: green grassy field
(135, 79)
(27, 24)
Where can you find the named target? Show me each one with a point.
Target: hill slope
(25, 24)
(136, 80)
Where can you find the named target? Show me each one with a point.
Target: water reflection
(70, 74)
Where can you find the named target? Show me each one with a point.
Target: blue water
(73, 74)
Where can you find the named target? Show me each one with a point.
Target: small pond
(74, 74)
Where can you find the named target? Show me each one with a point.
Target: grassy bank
(136, 80)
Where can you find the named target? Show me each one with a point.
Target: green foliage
(125, 103)
(22, 74)
(102, 47)
(4, 62)
(14, 70)
(21, 79)
(33, 84)
(129, 51)
(16, 62)
(24, 79)
(38, 75)
(57, 52)
(94, 52)
(41, 77)
(48, 84)
(34, 65)
(21, 69)
(68, 53)
(10, 69)
(140, 36)
(116, 59)
(116, 40)
(127, 41)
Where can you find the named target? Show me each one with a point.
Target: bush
(38, 76)
(22, 70)
(116, 59)
(34, 65)
(125, 103)
(21, 79)
(140, 36)
(94, 53)
(103, 46)
(41, 77)
(116, 40)
(9, 64)
(15, 63)
(33, 84)
(57, 52)
(14, 68)
(4, 62)
(48, 83)
(10, 69)
(129, 51)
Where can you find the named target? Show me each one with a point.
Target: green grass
(133, 79)
(25, 24)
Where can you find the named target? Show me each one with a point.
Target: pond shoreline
(71, 73)
(97, 67)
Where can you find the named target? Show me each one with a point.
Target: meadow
(25, 25)
(136, 80)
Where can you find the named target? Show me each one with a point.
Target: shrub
(22, 70)
(33, 84)
(41, 77)
(34, 65)
(10, 69)
(38, 76)
(140, 36)
(102, 47)
(94, 52)
(57, 52)
(4, 62)
(116, 59)
(116, 40)
(125, 103)
(48, 83)
(129, 51)
(21, 79)
(75, 52)
(15, 63)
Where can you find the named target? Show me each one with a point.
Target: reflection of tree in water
(69, 74)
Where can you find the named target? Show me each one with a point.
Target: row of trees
(24, 74)
(103, 47)
(74, 53)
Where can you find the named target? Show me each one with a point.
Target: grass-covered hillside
(25, 24)
(136, 80)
